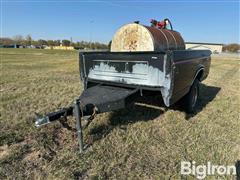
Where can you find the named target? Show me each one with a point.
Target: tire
(191, 99)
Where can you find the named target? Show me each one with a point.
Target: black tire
(191, 99)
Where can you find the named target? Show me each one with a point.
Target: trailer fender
(198, 75)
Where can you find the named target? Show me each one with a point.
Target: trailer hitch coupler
(42, 121)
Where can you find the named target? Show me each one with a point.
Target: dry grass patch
(142, 142)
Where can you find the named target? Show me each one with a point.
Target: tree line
(28, 41)
(231, 47)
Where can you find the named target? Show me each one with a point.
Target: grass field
(142, 142)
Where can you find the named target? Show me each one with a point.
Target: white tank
(137, 37)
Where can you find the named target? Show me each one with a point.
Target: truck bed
(170, 72)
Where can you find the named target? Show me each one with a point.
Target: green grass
(142, 142)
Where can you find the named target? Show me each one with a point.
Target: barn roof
(203, 43)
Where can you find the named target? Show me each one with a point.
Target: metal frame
(87, 105)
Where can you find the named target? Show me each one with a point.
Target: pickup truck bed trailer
(172, 73)
(113, 79)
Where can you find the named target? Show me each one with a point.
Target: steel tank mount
(136, 37)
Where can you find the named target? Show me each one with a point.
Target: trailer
(116, 78)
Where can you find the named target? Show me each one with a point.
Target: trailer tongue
(97, 99)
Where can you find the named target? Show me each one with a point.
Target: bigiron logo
(201, 171)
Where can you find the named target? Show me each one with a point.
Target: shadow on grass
(134, 113)
(148, 108)
(206, 95)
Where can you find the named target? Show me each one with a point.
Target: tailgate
(106, 98)
(136, 68)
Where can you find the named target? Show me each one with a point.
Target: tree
(6, 41)
(79, 45)
(66, 42)
(231, 47)
(28, 40)
(18, 39)
(42, 42)
(109, 44)
(57, 42)
(51, 43)
(73, 44)
(35, 43)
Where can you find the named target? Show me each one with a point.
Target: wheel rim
(195, 97)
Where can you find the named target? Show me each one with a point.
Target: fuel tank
(136, 37)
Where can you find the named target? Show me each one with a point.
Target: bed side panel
(186, 64)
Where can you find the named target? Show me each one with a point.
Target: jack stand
(77, 113)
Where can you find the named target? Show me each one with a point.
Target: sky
(213, 21)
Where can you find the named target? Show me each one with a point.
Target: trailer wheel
(191, 98)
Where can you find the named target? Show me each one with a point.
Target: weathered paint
(141, 74)
(136, 37)
(132, 37)
(171, 72)
(166, 91)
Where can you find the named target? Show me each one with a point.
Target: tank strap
(174, 39)
(165, 37)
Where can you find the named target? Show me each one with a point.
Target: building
(63, 47)
(215, 48)
(60, 47)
